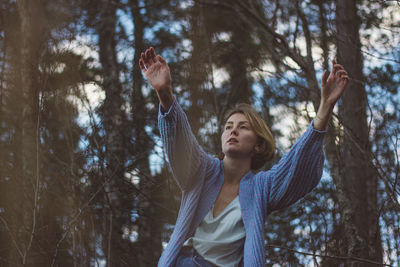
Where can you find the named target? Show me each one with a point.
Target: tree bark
(241, 91)
(358, 183)
(31, 15)
(117, 211)
(148, 245)
(197, 75)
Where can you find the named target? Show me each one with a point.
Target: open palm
(156, 70)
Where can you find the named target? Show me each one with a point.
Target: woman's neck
(235, 169)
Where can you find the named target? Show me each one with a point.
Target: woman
(225, 202)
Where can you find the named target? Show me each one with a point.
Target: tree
(310, 21)
(117, 190)
(27, 177)
(40, 120)
(148, 243)
(77, 193)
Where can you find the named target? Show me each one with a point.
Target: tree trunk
(197, 75)
(31, 34)
(148, 245)
(117, 211)
(241, 91)
(358, 181)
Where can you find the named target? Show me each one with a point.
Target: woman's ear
(257, 148)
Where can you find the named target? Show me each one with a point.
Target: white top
(220, 240)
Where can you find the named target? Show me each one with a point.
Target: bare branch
(330, 257)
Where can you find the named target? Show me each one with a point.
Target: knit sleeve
(298, 171)
(186, 158)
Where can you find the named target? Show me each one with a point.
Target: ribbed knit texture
(200, 178)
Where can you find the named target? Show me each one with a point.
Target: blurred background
(83, 177)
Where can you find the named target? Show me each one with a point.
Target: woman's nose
(234, 131)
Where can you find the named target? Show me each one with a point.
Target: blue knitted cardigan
(200, 177)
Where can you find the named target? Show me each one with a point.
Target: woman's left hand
(333, 84)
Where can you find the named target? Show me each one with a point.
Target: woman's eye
(227, 127)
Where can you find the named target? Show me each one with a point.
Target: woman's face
(238, 138)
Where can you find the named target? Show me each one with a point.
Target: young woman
(225, 202)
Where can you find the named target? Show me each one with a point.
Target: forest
(83, 176)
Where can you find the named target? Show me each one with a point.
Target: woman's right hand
(157, 73)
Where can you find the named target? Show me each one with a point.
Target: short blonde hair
(258, 125)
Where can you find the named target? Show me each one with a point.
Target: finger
(325, 77)
(153, 54)
(344, 81)
(143, 58)
(148, 60)
(340, 73)
(142, 66)
(337, 67)
(148, 57)
(331, 74)
(161, 59)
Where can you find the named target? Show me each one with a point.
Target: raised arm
(186, 158)
(333, 85)
(300, 170)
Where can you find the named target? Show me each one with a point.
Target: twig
(12, 237)
(341, 258)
